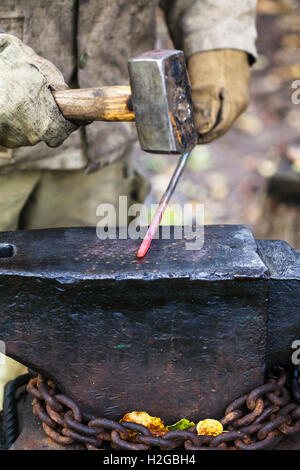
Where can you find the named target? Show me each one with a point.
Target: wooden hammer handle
(108, 103)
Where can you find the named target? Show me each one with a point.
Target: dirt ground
(229, 176)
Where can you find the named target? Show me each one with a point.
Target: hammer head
(162, 102)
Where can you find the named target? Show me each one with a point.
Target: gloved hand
(28, 112)
(220, 90)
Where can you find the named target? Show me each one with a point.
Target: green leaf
(156, 163)
(181, 425)
(200, 159)
(296, 167)
(83, 58)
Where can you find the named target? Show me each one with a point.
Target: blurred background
(252, 175)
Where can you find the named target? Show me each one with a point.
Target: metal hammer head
(162, 102)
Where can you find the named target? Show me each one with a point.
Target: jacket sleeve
(203, 25)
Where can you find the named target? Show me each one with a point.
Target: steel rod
(154, 224)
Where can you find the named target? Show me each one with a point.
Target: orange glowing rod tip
(145, 245)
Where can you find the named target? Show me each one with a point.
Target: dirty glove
(220, 90)
(28, 112)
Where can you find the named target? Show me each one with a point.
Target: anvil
(179, 334)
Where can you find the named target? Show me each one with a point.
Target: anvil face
(162, 102)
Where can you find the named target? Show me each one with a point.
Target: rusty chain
(257, 420)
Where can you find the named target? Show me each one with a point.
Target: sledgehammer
(158, 99)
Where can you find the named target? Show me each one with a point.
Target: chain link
(257, 420)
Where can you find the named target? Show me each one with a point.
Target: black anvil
(179, 333)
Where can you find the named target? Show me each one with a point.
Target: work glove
(28, 111)
(220, 90)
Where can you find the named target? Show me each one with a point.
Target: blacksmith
(53, 173)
